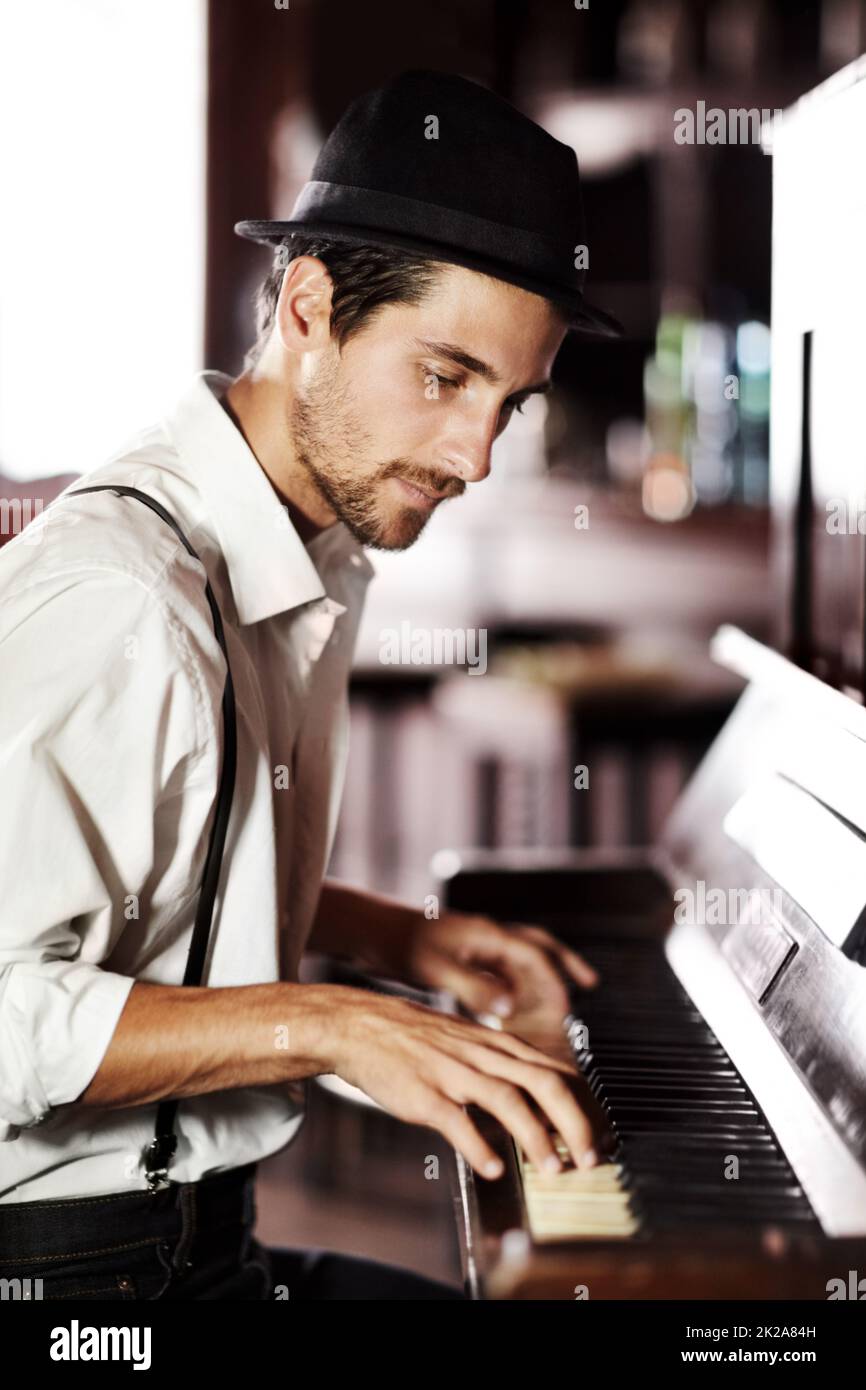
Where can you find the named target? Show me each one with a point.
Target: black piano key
(695, 1149)
(670, 1109)
(707, 1124)
(658, 1086)
(714, 1161)
(691, 1060)
(733, 1192)
(706, 1216)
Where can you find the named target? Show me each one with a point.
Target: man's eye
(430, 376)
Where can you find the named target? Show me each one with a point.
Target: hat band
(533, 253)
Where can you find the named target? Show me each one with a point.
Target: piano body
(726, 1043)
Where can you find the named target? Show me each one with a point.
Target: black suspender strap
(159, 1152)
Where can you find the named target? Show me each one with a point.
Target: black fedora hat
(435, 164)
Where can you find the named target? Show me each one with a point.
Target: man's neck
(247, 406)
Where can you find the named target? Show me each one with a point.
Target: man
(420, 295)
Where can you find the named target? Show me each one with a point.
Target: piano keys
(725, 1050)
(692, 1142)
(594, 1201)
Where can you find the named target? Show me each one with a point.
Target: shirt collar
(270, 569)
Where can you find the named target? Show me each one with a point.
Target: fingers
(424, 1067)
(551, 1094)
(579, 969)
(506, 1042)
(497, 969)
(454, 1124)
(475, 991)
(544, 1078)
(506, 1103)
(530, 971)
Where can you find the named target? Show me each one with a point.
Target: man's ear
(303, 313)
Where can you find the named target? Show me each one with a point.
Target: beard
(334, 449)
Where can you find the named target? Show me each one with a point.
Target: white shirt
(111, 684)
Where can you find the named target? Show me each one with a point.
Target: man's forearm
(174, 1041)
(362, 926)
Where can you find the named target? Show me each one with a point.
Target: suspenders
(159, 1152)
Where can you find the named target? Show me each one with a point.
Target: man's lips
(422, 492)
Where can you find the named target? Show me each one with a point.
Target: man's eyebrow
(449, 352)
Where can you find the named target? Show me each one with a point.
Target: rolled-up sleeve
(99, 721)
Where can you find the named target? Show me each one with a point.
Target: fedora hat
(438, 165)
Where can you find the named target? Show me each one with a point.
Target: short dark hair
(365, 278)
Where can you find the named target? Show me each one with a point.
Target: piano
(725, 1047)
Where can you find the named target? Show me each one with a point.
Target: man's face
(406, 415)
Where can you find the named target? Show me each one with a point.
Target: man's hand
(423, 1067)
(492, 968)
(487, 967)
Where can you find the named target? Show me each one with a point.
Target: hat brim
(582, 318)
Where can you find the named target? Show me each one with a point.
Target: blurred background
(625, 517)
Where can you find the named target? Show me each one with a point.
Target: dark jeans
(190, 1241)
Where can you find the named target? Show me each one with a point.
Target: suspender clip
(157, 1157)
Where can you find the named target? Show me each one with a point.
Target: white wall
(102, 182)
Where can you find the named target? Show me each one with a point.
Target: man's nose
(469, 457)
